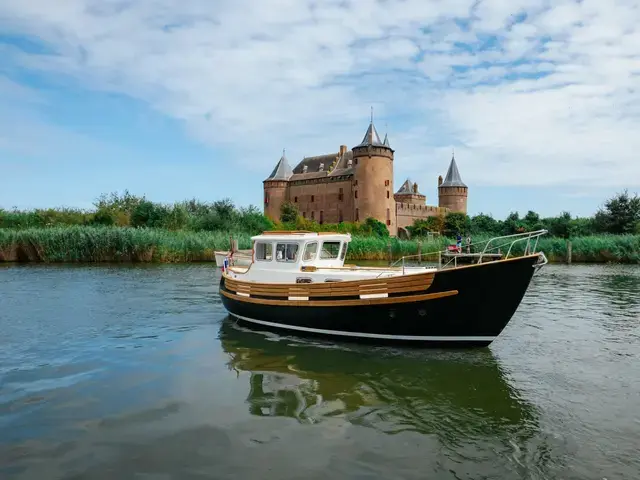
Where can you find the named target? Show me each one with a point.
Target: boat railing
(492, 247)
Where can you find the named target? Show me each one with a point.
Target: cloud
(530, 92)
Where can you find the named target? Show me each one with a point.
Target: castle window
(295, 199)
(356, 193)
(312, 198)
(387, 193)
(386, 184)
(355, 183)
(340, 195)
(357, 215)
(340, 218)
(388, 216)
(313, 216)
(355, 161)
(304, 214)
(321, 217)
(266, 198)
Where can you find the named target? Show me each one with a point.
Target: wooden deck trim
(341, 303)
(396, 280)
(404, 284)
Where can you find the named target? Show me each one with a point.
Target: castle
(352, 185)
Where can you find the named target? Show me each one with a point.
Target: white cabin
(307, 257)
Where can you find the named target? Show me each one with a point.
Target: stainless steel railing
(490, 246)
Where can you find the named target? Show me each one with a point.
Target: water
(137, 372)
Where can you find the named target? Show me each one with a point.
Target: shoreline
(115, 245)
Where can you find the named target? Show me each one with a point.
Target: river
(137, 372)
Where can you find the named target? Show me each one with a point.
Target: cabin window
(343, 253)
(330, 250)
(264, 252)
(310, 252)
(287, 252)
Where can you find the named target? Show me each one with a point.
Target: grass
(113, 244)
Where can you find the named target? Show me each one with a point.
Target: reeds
(116, 244)
(112, 244)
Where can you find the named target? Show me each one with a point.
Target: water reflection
(430, 392)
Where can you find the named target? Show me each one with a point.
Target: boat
(298, 282)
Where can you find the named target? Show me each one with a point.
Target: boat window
(310, 252)
(264, 251)
(343, 253)
(330, 250)
(287, 252)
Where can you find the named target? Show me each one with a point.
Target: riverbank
(115, 244)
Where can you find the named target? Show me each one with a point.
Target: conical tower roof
(371, 137)
(282, 170)
(385, 142)
(406, 188)
(453, 176)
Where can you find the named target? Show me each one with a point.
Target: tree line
(619, 215)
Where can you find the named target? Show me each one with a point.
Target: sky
(197, 99)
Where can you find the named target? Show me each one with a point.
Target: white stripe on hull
(374, 295)
(380, 336)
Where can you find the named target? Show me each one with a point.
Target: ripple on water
(109, 372)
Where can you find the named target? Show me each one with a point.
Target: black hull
(488, 296)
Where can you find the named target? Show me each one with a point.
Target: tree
(485, 224)
(288, 212)
(620, 214)
(423, 226)
(559, 226)
(455, 223)
(376, 227)
(149, 214)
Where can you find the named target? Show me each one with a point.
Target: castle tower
(373, 180)
(452, 193)
(409, 194)
(276, 188)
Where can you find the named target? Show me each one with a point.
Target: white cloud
(301, 74)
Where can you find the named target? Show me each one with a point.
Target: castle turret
(373, 180)
(452, 193)
(409, 194)
(276, 188)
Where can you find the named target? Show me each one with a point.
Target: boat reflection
(462, 393)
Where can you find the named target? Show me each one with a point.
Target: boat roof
(276, 235)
